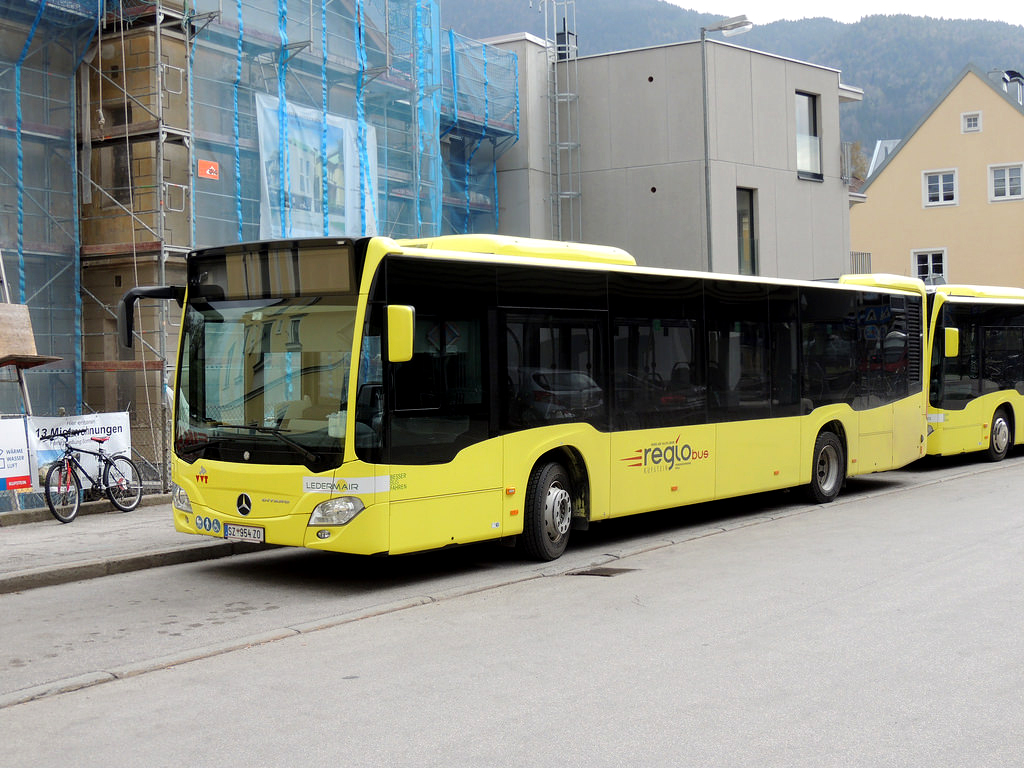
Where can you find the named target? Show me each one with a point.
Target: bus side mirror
(126, 307)
(401, 321)
(952, 341)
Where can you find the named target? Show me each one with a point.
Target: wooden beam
(114, 366)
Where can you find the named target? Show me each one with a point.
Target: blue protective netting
(339, 117)
(392, 156)
(41, 47)
(480, 119)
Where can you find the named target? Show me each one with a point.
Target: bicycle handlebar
(65, 434)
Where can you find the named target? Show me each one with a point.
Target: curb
(91, 569)
(42, 514)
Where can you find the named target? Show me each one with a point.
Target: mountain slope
(903, 63)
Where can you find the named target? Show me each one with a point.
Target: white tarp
(303, 169)
(114, 426)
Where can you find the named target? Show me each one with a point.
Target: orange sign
(209, 169)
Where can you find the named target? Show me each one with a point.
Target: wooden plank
(114, 366)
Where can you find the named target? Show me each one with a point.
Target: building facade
(778, 182)
(947, 203)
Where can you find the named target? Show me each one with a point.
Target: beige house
(947, 203)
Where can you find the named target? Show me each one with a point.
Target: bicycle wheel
(123, 482)
(63, 491)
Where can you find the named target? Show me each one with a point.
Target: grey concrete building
(777, 177)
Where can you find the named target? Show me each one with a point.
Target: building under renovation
(133, 131)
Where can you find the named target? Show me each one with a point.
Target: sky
(765, 11)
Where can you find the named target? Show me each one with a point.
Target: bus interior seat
(680, 376)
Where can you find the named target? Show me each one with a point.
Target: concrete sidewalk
(38, 551)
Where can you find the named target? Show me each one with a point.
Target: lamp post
(736, 25)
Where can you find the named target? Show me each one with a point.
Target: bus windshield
(264, 363)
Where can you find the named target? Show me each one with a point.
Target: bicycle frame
(70, 459)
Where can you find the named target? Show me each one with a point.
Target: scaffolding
(190, 123)
(41, 46)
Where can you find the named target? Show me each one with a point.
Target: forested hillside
(903, 63)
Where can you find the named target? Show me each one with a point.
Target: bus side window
(1002, 359)
(961, 375)
(658, 351)
(739, 374)
(439, 404)
(828, 336)
(658, 381)
(554, 370)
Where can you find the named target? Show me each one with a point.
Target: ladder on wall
(564, 119)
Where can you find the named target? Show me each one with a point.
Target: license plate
(243, 533)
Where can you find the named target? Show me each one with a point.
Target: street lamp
(737, 25)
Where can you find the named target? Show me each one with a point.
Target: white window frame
(965, 118)
(930, 252)
(992, 196)
(808, 145)
(940, 203)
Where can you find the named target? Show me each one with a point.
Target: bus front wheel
(548, 513)
(1000, 436)
(828, 470)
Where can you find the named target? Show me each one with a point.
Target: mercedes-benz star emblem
(244, 504)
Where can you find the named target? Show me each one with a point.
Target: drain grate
(602, 571)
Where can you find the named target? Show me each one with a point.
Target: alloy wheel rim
(828, 469)
(1000, 435)
(557, 512)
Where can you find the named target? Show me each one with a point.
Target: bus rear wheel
(548, 514)
(1000, 436)
(828, 469)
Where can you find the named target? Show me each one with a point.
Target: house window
(1005, 182)
(808, 137)
(930, 266)
(940, 188)
(970, 122)
(746, 230)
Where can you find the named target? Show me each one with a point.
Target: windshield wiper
(187, 449)
(307, 454)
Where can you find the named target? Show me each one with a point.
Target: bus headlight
(336, 511)
(180, 499)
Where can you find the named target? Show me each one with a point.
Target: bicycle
(121, 481)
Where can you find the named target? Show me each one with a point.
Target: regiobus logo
(664, 456)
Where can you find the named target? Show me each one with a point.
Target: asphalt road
(883, 629)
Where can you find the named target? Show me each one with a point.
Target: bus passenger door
(445, 466)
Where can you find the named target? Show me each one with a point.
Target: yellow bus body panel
(963, 431)
(524, 449)
(910, 430)
(760, 455)
(425, 514)
(281, 505)
(410, 507)
(662, 468)
(875, 427)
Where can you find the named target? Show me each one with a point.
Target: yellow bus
(376, 396)
(976, 388)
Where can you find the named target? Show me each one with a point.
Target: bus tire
(828, 468)
(1000, 436)
(548, 513)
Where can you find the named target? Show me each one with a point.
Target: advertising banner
(114, 426)
(15, 460)
(297, 157)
